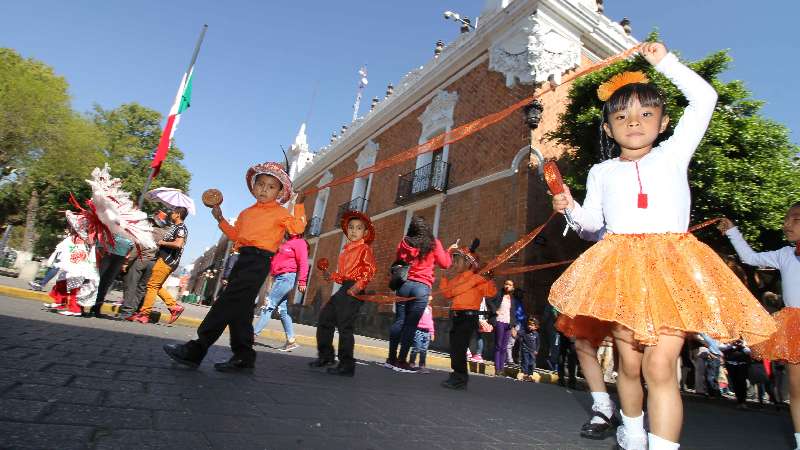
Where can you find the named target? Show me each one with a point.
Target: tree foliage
(745, 168)
(49, 149)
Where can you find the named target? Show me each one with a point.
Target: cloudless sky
(262, 62)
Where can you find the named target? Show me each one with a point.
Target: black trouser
(135, 283)
(234, 307)
(737, 378)
(340, 312)
(712, 372)
(568, 360)
(463, 325)
(109, 268)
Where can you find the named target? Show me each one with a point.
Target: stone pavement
(91, 383)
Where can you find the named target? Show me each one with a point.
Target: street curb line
(432, 360)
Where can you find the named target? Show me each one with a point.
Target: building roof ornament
(532, 51)
(438, 116)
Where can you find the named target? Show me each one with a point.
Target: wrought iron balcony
(423, 182)
(356, 204)
(314, 227)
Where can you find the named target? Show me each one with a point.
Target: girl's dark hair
(648, 96)
(420, 236)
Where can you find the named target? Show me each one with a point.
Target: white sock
(658, 443)
(797, 439)
(633, 425)
(602, 403)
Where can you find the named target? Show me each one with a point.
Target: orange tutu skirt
(655, 284)
(784, 345)
(583, 327)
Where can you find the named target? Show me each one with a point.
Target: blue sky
(262, 61)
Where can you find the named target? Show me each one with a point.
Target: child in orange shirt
(355, 270)
(257, 233)
(466, 290)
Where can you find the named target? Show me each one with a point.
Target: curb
(433, 360)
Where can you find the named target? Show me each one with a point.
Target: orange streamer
(532, 268)
(469, 128)
(704, 224)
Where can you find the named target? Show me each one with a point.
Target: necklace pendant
(642, 201)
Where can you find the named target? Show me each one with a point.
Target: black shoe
(235, 365)
(599, 431)
(345, 371)
(454, 384)
(321, 363)
(180, 355)
(572, 384)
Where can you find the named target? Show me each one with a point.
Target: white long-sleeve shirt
(783, 259)
(612, 187)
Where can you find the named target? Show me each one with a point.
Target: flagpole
(150, 177)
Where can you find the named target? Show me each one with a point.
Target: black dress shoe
(180, 355)
(235, 365)
(602, 430)
(454, 384)
(321, 363)
(342, 370)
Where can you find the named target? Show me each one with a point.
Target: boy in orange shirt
(354, 271)
(257, 233)
(466, 290)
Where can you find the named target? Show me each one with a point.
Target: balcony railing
(314, 227)
(356, 204)
(423, 182)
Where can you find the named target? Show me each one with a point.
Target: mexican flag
(182, 102)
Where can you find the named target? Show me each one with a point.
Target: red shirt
(356, 263)
(421, 270)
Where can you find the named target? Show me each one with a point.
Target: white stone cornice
(367, 156)
(327, 177)
(438, 115)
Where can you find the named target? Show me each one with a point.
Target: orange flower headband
(607, 89)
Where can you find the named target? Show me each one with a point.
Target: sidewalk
(305, 334)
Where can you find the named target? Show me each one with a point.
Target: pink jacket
(422, 270)
(426, 321)
(291, 256)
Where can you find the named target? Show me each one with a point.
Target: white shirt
(783, 260)
(612, 188)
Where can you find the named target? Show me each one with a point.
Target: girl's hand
(724, 225)
(302, 289)
(217, 213)
(352, 292)
(654, 52)
(300, 198)
(563, 201)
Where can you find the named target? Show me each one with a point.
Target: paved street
(91, 383)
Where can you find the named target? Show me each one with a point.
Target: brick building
(480, 186)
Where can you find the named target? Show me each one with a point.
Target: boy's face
(791, 224)
(532, 326)
(508, 286)
(266, 188)
(356, 230)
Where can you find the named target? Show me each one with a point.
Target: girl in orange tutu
(649, 277)
(785, 344)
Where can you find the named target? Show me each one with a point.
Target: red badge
(322, 264)
(642, 201)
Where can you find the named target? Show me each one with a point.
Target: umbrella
(172, 198)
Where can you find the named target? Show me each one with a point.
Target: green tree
(34, 107)
(132, 132)
(745, 168)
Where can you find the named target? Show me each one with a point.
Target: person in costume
(170, 249)
(783, 346)
(77, 278)
(465, 290)
(649, 277)
(355, 269)
(421, 251)
(138, 267)
(257, 232)
(290, 264)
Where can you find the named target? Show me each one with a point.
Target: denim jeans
(422, 339)
(51, 272)
(278, 298)
(406, 318)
